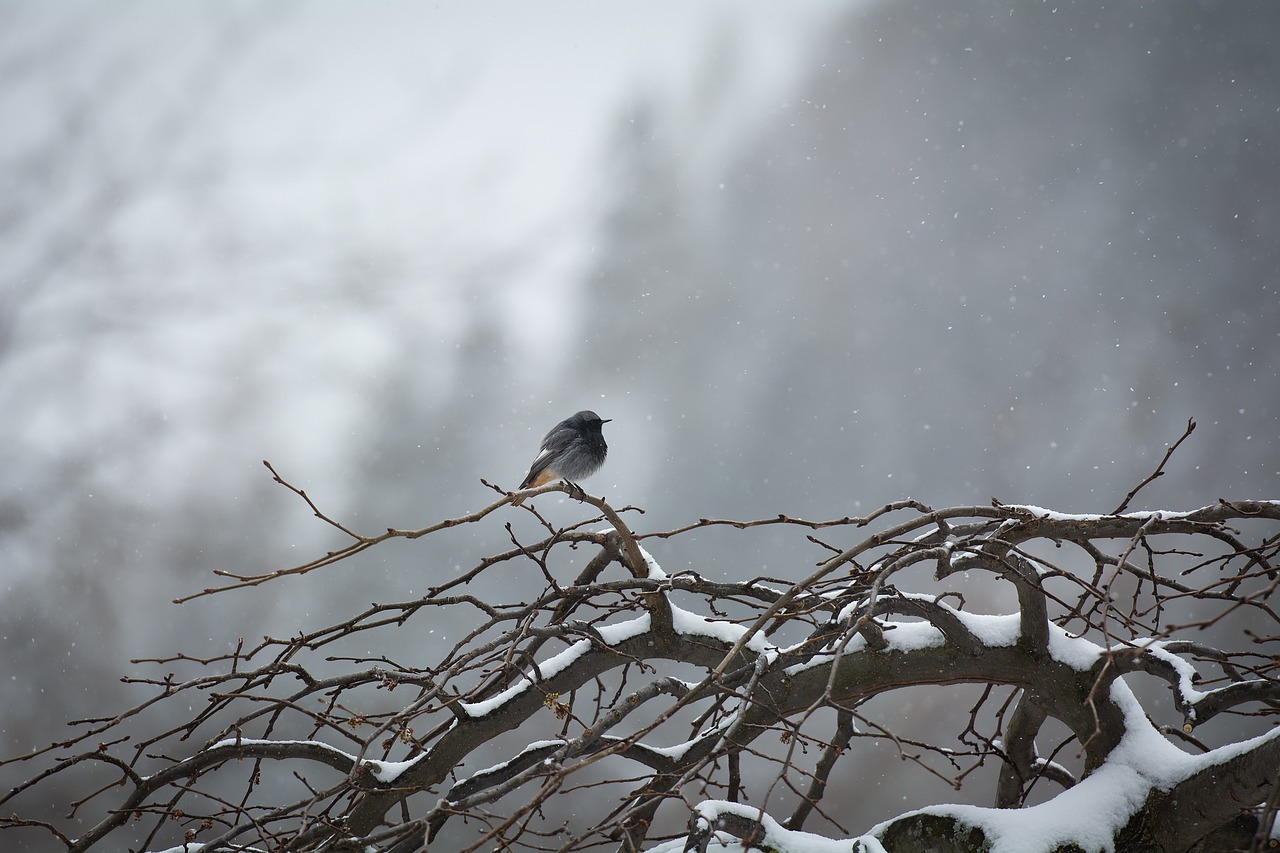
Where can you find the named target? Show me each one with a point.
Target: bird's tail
(533, 481)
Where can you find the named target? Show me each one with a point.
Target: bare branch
(656, 696)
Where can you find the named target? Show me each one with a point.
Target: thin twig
(1159, 472)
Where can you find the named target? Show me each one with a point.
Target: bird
(573, 450)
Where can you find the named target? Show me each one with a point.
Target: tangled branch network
(636, 708)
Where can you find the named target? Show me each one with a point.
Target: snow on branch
(636, 708)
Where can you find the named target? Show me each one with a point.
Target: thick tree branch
(656, 695)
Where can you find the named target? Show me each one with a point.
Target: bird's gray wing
(554, 443)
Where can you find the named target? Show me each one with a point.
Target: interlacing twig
(649, 692)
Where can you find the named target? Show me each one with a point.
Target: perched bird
(573, 450)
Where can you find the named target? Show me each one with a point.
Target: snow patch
(614, 634)
(1144, 760)
(387, 772)
(693, 625)
(1076, 652)
(776, 836)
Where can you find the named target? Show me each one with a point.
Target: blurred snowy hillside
(809, 259)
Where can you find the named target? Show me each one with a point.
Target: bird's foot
(575, 491)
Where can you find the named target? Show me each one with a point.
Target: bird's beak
(606, 420)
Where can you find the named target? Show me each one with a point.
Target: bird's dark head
(590, 420)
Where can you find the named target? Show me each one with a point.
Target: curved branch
(1022, 764)
(1220, 792)
(1032, 604)
(1196, 706)
(468, 734)
(623, 636)
(219, 753)
(954, 631)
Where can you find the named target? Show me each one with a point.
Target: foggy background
(810, 258)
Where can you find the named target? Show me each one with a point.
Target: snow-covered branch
(635, 709)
